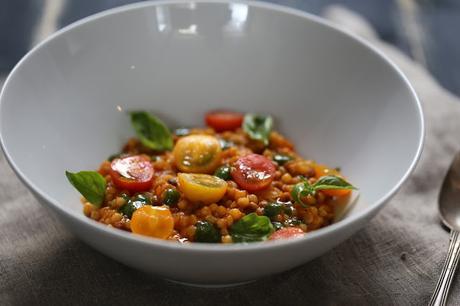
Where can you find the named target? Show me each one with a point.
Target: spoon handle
(439, 296)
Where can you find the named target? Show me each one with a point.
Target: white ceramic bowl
(342, 102)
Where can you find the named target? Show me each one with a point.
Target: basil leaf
(273, 209)
(130, 207)
(300, 190)
(288, 208)
(224, 172)
(206, 232)
(171, 196)
(152, 132)
(258, 127)
(251, 228)
(332, 182)
(142, 198)
(90, 184)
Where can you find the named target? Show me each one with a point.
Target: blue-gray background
(427, 30)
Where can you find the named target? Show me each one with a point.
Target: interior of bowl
(64, 106)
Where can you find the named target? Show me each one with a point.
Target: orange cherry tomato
(287, 232)
(134, 173)
(337, 192)
(224, 120)
(322, 170)
(253, 172)
(153, 221)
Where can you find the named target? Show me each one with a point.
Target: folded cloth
(395, 260)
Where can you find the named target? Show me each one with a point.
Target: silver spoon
(449, 211)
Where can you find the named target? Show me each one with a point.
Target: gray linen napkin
(395, 260)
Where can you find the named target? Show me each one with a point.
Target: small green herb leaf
(304, 188)
(129, 208)
(171, 196)
(300, 190)
(133, 204)
(288, 208)
(90, 184)
(273, 209)
(258, 127)
(143, 198)
(332, 182)
(224, 172)
(251, 228)
(281, 159)
(152, 132)
(206, 232)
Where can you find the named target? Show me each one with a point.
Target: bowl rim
(370, 210)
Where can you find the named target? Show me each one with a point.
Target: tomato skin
(222, 121)
(253, 172)
(134, 173)
(337, 192)
(286, 233)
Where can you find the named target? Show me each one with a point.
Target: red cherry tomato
(224, 120)
(287, 232)
(134, 173)
(253, 172)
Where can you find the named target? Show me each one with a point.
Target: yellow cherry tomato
(197, 154)
(322, 170)
(153, 221)
(202, 187)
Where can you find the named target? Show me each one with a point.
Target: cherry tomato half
(224, 120)
(134, 173)
(154, 221)
(253, 172)
(203, 188)
(197, 154)
(287, 232)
